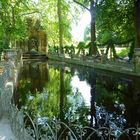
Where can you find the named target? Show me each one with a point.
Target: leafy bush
(123, 52)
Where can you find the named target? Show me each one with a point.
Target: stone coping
(118, 67)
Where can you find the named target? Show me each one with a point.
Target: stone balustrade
(7, 109)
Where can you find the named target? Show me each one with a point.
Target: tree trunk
(137, 22)
(60, 22)
(13, 17)
(93, 48)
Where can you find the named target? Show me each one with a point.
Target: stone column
(103, 57)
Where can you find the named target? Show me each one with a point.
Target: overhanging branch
(81, 5)
(29, 13)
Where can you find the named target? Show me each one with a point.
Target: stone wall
(8, 110)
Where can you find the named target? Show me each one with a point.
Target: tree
(12, 21)
(60, 24)
(56, 19)
(137, 22)
(115, 23)
(92, 7)
(119, 26)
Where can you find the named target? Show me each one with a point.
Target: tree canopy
(115, 20)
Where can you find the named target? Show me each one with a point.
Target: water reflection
(83, 87)
(79, 95)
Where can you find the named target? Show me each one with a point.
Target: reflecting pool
(78, 95)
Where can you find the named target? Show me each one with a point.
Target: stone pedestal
(137, 59)
(103, 57)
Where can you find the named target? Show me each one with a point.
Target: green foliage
(81, 45)
(124, 52)
(105, 37)
(110, 93)
(53, 102)
(49, 20)
(115, 20)
(12, 24)
(3, 45)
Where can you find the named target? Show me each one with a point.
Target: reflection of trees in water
(93, 119)
(91, 79)
(132, 103)
(72, 107)
(62, 95)
(102, 110)
(22, 91)
(110, 91)
(89, 75)
(83, 73)
(117, 99)
(112, 98)
(56, 102)
(37, 73)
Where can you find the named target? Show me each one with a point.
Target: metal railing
(57, 130)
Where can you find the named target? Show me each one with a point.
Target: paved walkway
(5, 130)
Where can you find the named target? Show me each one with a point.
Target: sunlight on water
(82, 87)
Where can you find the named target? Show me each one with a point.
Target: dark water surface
(78, 95)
